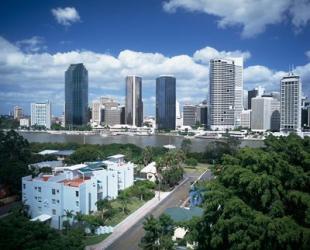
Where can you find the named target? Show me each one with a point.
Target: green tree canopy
(259, 200)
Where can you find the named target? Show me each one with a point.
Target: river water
(198, 145)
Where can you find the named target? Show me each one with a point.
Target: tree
(158, 233)
(259, 200)
(147, 154)
(123, 197)
(186, 145)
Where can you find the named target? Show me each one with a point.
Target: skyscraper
(76, 95)
(41, 114)
(259, 91)
(18, 112)
(133, 102)
(290, 103)
(225, 93)
(166, 102)
(189, 115)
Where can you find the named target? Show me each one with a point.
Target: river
(198, 145)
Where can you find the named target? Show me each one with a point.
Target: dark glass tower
(133, 103)
(76, 95)
(165, 102)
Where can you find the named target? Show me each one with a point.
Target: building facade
(24, 122)
(133, 102)
(75, 188)
(166, 102)
(189, 115)
(202, 113)
(18, 112)
(225, 93)
(246, 118)
(259, 91)
(41, 114)
(290, 103)
(265, 114)
(96, 112)
(76, 95)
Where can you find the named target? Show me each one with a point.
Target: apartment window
(53, 191)
(77, 203)
(53, 201)
(39, 199)
(57, 190)
(24, 186)
(57, 201)
(77, 193)
(39, 189)
(54, 211)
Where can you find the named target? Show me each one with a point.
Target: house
(75, 188)
(149, 172)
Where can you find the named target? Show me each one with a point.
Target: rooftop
(181, 214)
(75, 182)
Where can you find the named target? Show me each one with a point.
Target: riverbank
(198, 144)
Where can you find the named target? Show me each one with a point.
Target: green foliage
(191, 162)
(158, 233)
(186, 145)
(8, 123)
(17, 232)
(15, 156)
(259, 200)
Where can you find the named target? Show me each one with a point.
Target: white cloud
(33, 44)
(38, 76)
(308, 54)
(253, 16)
(206, 54)
(66, 16)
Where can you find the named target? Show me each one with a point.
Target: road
(131, 238)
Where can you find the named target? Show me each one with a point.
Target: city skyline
(34, 58)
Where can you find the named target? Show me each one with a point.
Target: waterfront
(198, 145)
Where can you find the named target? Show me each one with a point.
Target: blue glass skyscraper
(165, 102)
(76, 95)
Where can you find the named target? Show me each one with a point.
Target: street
(131, 238)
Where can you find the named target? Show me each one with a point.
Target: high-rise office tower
(18, 112)
(246, 118)
(110, 112)
(96, 112)
(290, 103)
(245, 99)
(76, 95)
(133, 102)
(225, 93)
(41, 114)
(166, 102)
(189, 115)
(202, 113)
(265, 114)
(259, 91)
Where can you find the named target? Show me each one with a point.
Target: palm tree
(147, 155)
(124, 199)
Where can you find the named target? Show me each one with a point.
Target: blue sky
(39, 39)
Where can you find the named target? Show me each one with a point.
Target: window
(57, 190)
(53, 191)
(77, 203)
(53, 201)
(24, 186)
(57, 201)
(54, 211)
(39, 199)
(77, 193)
(39, 189)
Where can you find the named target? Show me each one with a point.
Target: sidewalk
(132, 219)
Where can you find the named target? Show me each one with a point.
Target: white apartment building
(24, 122)
(41, 114)
(291, 103)
(75, 188)
(265, 114)
(246, 118)
(225, 93)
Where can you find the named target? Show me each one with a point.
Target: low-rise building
(75, 188)
(24, 122)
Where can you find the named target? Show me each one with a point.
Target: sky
(149, 38)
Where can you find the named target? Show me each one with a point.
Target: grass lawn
(94, 239)
(199, 169)
(132, 206)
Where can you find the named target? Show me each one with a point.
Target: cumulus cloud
(253, 16)
(66, 16)
(308, 54)
(206, 54)
(37, 76)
